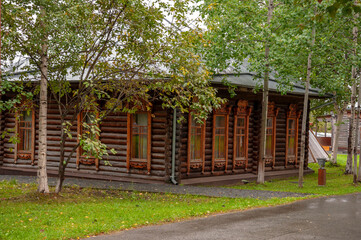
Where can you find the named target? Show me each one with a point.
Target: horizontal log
(162, 114)
(114, 124)
(160, 144)
(113, 118)
(158, 150)
(158, 138)
(159, 120)
(157, 156)
(160, 132)
(122, 130)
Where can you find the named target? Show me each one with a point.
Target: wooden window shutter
(139, 138)
(240, 134)
(220, 138)
(270, 158)
(196, 144)
(80, 157)
(292, 121)
(25, 130)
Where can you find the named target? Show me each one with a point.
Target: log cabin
(153, 147)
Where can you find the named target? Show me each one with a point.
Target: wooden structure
(225, 144)
(325, 137)
(315, 149)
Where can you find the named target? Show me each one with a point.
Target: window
(220, 138)
(196, 137)
(292, 135)
(240, 134)
(270, 154)
(25, 130)
(139, 141)
(84, 157)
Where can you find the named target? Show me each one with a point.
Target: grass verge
(77, 212)
(81, 212)
(337, 183)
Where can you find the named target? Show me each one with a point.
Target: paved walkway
(328, 218)
(164, 188)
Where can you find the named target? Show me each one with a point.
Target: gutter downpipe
(172, 177)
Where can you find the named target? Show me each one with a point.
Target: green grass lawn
(77, 212)
(336, 182)
(81, 212)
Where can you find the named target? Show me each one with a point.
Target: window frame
(292, 114)
(219, 163)
(241, 111)
(138, 163)
(23, 154)
(195, 163)
(272, 113)
(80, 158)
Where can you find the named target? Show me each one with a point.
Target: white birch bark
(305, 111)
(262, 148)
(337, 127)
(43, 108)
(357, 136)
(351, 136)
(359, 102)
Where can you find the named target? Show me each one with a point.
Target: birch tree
(354, 76)
(43, 108)
(305, 109)
(121, 53)
(26, 26)
(239, 32)
(358, 119)
(352, 125)
(351, 130)
(339, 110)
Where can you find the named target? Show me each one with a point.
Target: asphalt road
(324, 218)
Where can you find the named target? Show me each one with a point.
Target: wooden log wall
(342, 142)
(254, 101)
(2, 128)
(256, 135)
(343, 137)
(113, 134)
(179, 145)
(281, 132)
(307, 135)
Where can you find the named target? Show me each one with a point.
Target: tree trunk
(358, 116)
(0, 52)
(43, 109)
(262, 148)
(333, 126)
(305, 111)
(355, 32)
(351, 131)
(357, 134)
(339, 117)
(304, 123)
(60, 180)
(62, 163)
